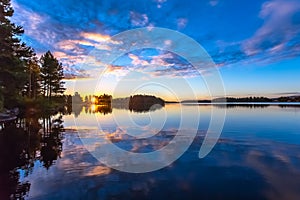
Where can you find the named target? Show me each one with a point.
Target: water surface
(256, 157)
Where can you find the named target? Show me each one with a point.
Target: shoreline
(238, 103)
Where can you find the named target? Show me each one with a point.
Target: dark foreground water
(256, 157)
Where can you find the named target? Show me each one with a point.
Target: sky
(253, 45)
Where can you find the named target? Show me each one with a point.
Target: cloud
(277, 39)
(75, 53)
(160, 60)
(168, 42)
(165, 64)
(213, 2)
(84, 15)
(150, 26)
(113, 68)
(281, 26)
(98, 38)
(71, 65)
(34, 18)
(34, 24)
(71, 32)
(138, 20)
(229, 53)
(160, 3)
(136, 61)
(95, 40)
(98, 171)
(181, 23)
(89, 67)
(154, 61)
(67, 45)
(73, 73)
(71, 59)
(287, 94)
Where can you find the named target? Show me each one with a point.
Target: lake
(256, 157)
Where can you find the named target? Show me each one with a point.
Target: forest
(25, 78)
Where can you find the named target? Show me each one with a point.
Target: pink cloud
(160, 60)
(136, 61)
(98, 38)
(113, 68)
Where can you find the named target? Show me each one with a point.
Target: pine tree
(13, 57)
(32, 87)
(59, 88)
(51, 75)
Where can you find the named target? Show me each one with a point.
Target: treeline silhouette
(289, 99)
(144, 102)
(91, 99)
(139, 103)
(242, 105)
(25, 78)
(90, 104)
(248, 100)
(243, 99)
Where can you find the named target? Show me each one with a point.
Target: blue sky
(254, 44)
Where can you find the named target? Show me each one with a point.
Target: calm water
(256, 157)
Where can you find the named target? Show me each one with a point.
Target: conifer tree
(14, 55)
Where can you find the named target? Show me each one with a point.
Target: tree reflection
(91, 109)
(51, 141)
(13, 155)
(21, 144)
(76, 109)
(103, 109)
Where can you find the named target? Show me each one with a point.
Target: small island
(138, 103)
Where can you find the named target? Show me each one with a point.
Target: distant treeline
(243, 99)
(137, 103)
(247, 99)
(260, 99)
(91, 99)
(289, 99)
